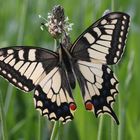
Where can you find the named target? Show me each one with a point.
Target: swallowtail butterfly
(53, 75)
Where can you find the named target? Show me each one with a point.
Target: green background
(20, 25)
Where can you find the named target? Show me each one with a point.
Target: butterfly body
(53, 75)
(67, 62)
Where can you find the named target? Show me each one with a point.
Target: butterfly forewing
(104, 41)
(24, 67)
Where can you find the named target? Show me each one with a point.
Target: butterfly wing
(53, 96)
(99, 87)
(100, 45)
(23, 67)
(37, 68)
(104, 41)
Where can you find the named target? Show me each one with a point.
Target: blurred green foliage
(20, 25)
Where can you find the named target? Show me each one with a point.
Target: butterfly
(53, 75)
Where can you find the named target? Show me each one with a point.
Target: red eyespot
(72, 106)
(89, 106)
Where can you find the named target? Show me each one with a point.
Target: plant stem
(111, 123)
(112, 130)
(56, 44)
(60, 131)
(55, 131)
(56, 124)
(3, 120)
(112, 5)
(100, 128)
(22, 23)
(19, 41)
(39, 127)
(120, 117)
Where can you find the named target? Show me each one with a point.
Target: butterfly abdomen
(66, 60)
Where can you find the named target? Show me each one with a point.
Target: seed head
(56, 22)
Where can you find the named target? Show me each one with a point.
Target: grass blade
(99, 136)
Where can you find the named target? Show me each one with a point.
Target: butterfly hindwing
(104, 41)
(98, 86)
(23, 66)
(53, 96)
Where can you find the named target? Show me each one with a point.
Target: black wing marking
(53, 97)
(99, 87)
(104, 41)
(24, 67)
